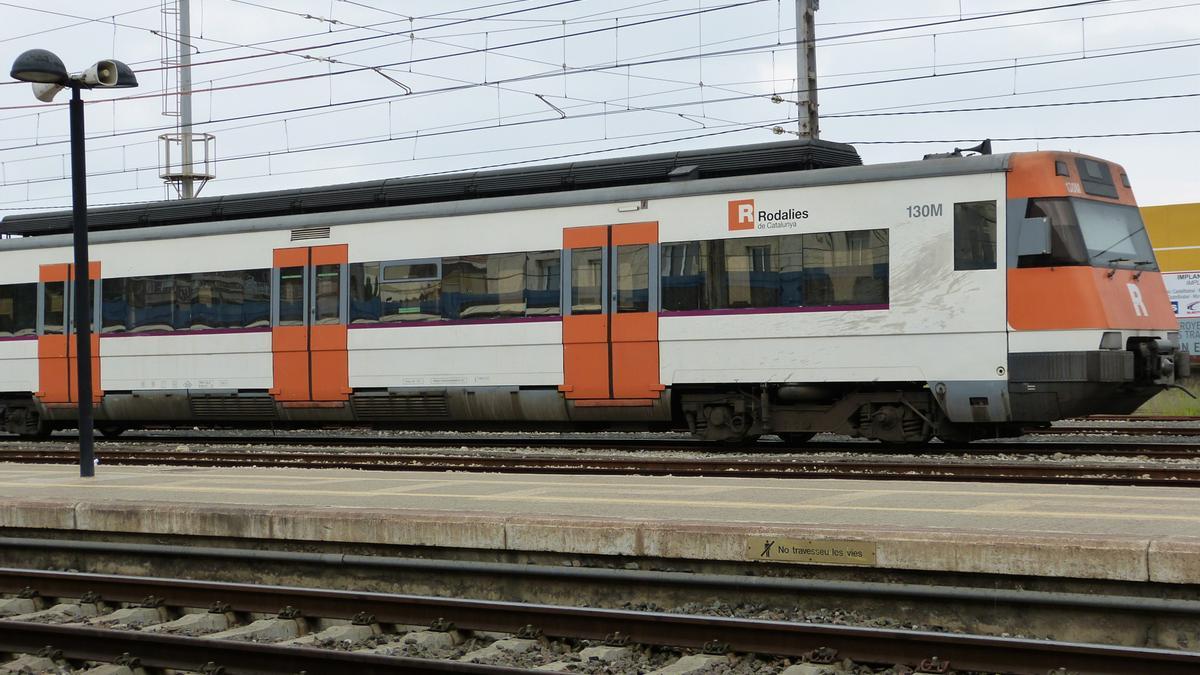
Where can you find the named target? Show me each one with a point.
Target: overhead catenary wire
(523, 43)
(751, 127)
(683, 103)
(676, 105)
(417, 133)
(615, 65)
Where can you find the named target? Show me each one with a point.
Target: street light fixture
(49, 76)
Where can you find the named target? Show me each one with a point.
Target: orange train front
(1092, 329)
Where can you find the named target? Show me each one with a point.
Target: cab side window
(975, 236)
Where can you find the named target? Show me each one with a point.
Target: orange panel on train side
(290, 257)
(53, 377)
(289, 345)
(585, 356)
(330, 376)
(73, 373)
(333, 254)
(585, 237)
(635, 233)
(635, 327)
(585, 328)
(635, 356)
(585, 371)
(56, 272)
(329, 337)
(1065, 298)
(330, 362)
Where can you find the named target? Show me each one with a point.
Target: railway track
(98, 603)
(1126, 473)
(1174, 450)
(1124, 430)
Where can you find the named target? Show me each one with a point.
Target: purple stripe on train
(772, 310)
(189, 331)
(457, 322)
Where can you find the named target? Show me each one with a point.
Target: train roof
(667, 167)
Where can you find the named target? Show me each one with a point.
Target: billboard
(1184, 291)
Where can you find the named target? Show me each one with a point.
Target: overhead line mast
(179, 159)
(806, 68)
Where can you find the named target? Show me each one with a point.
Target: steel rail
(159, 650)
(1125, 430)
(199, 445)
(779, 638)
(1139, 418)
(1123, 448)
(537, 574)
(865, 469)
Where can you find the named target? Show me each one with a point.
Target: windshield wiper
(1112, 262)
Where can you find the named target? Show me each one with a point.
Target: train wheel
(27, 423)
(110, 430)
(796, 437)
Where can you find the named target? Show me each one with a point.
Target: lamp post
(49, 76)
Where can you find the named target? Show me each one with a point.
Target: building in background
(1174, 232)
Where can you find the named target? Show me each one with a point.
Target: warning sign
(829, 551)
(1184, 290)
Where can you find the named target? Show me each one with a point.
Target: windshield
(1114, 235)
(1087, 232)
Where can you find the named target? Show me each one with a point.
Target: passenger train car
(779, 288)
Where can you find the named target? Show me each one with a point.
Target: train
(778, 289)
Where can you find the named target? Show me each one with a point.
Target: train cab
(1091, 328)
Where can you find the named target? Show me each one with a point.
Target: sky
(301, 93)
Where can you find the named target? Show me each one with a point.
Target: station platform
(1138, 534)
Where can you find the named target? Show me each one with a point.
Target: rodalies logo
(743, 215)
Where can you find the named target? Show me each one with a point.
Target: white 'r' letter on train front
(1135, 296)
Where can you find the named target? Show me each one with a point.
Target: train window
(248, 296)
(408, 296)
(491, 286)
(328, 294)
(152, 303)
(484, 286)
(1066, 241)
(587, 275)
(203, 300)
(54, 314)
(114, 309)
(975, 235)
(18, 310)
(833, 268)
(183, 288)
(761, 272)
(633, 278)
(291, 296)
(412, 270)
(364, 301)
(846, 268)
(543, 283)
(685, 275)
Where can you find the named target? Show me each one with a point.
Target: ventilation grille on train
(233, 407)
(306, 233)
(387, 408)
